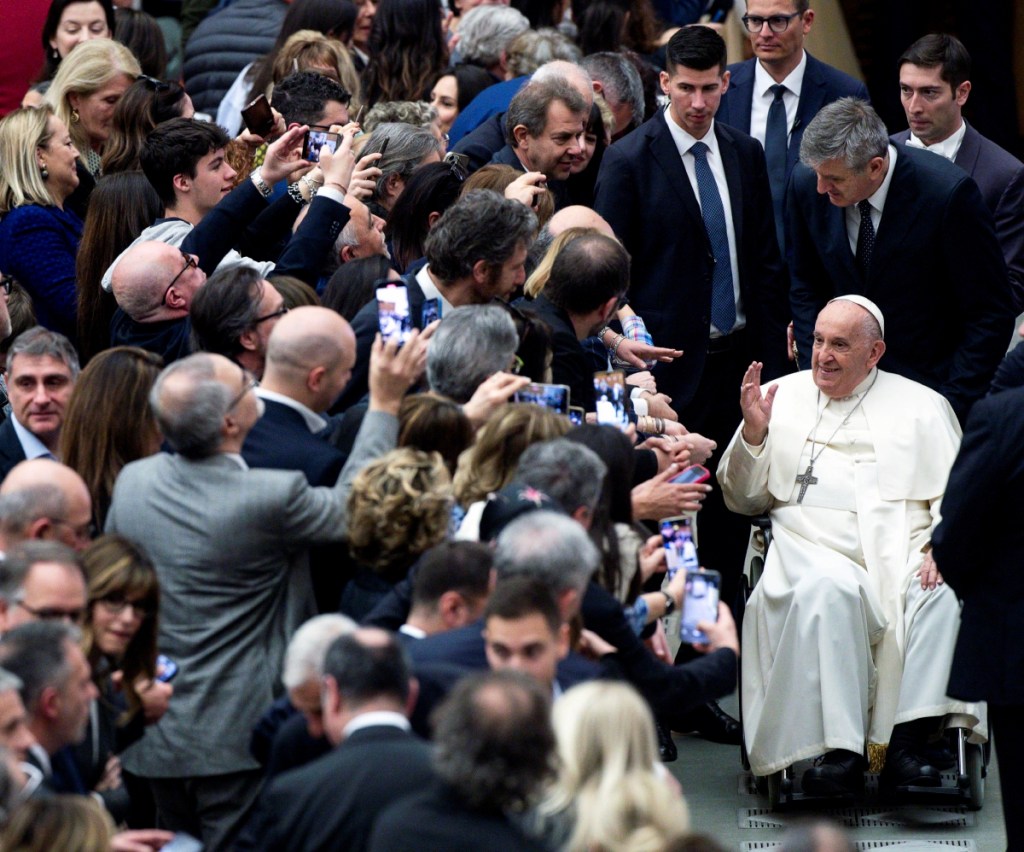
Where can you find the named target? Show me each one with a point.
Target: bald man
(44, 499)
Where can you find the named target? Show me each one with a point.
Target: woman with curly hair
(407, 51)
(399, 508)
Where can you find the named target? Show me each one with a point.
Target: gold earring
(74, 116)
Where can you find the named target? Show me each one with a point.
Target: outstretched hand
(756, 407)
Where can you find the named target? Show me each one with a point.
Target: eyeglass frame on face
(46, 613)
(116, 604)
(249, 382)
(760, 21)
(190, 263)
(280, 312)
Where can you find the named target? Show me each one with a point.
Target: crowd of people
(287, 564)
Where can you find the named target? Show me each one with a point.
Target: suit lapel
(734, 180)
(970, 150)
(812, 98)
(837, 247)
(666, 155)
(901, 211)
(741, 96)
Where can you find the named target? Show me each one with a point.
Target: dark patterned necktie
(865, 238)
(723, 300)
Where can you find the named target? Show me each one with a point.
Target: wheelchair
(963, 784)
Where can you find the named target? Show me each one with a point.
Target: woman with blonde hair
(611, 792)
(489, 465)
(39, 234)
(67, 823)
(399, 508)
(309, 50)
(85, 90)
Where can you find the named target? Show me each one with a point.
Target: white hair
(304, 659)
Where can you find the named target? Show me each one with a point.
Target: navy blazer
(822, 85)
(281, 440)
(1000, 177)
(937, 274)
(645, 195)
(11, 451)
(977, 548)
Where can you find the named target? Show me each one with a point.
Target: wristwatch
(670, 602)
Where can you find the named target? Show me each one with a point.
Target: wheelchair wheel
(976, 773)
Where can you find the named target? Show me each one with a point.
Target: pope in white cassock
(849, 635)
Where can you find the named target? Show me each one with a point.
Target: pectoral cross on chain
(806, 479)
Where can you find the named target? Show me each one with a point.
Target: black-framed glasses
(776, 23)
(280, 312)
(153, 84)
(53, 613)
(190, 263)
(249, 382)
(116, 604)
(6, 283)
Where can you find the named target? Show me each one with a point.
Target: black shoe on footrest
(903, 768)
(712, 723)
(838, 773)
(666, 745)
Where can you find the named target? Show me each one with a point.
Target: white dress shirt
(877, 202)
(30, 444)
(684, 142)
(763, 97)
(948, 147)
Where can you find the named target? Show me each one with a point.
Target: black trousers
(1008, 738)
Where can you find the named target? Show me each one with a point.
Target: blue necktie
(776, 143)
(723, 301)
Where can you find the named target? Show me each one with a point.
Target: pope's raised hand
(756, 407)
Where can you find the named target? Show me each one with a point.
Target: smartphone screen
(610, 394)
(701, 604)
(555, 397)
(316, 141)
(694, 473)
(258, 117)
(166, 668)
(431, 312)
(577, 416)
(677, 539)
(393, 313)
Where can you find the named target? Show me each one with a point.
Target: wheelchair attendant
(848, 637)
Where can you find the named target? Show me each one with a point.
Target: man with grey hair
(485, 33)
(475, 253)
(618, 82)
(362, 236)
(407, 148)
(472, 344)
(42, 367)
(44, 499)
(57, 690)
(544, 132)
(41, 581)
(229, 545)
(865, 218)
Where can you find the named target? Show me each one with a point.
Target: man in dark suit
(42, 367)
(977, 548)
(909, 231)
(774, 96)
(934, 86)
(494, 747)
(690, 200)
(332, 803)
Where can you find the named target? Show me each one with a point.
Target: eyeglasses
(248, 383)
(153, 84)
(48, 613)
(776, 23)
(190, 263)
(280, 312)
(116, 604)
(6, 283)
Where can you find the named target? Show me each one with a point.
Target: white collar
(414, 632)
(877, 198)
(793, 81)
(375, 718)
(430, 290)
(684, 141)
(948, 147)
(314, 422)
(32, 446)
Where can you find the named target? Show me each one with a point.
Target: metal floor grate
(745, 781)
(868, 817)
(882, 845)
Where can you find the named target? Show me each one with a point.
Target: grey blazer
(229, 546)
